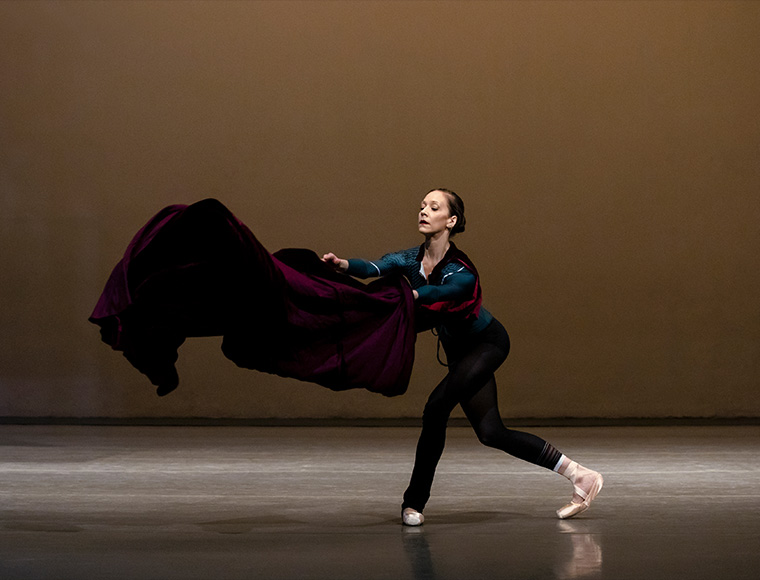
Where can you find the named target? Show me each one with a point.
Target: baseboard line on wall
(379, 421)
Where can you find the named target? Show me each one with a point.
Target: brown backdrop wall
(607, 153)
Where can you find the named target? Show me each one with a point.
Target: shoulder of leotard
(454, 270)
(459, 259)
(407, 256)
(457, 265)
(458, 262)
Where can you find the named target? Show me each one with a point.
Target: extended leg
(483, 413)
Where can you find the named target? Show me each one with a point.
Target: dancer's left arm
(455, 287)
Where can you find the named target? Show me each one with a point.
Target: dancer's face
(434, 217)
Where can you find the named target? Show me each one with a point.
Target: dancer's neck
(436, 247)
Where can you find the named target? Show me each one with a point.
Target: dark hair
(456, 208)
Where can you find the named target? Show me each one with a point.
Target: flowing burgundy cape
(198, 271)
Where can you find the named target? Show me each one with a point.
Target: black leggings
(471, 384)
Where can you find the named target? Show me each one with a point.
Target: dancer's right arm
(360, 268)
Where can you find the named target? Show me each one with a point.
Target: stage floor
(302, 503)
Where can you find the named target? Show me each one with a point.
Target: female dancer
(447, 292)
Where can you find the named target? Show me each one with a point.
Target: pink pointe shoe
(573, 509)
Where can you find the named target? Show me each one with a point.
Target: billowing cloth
(198, 271)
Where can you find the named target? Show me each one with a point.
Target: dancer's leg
(429, 446)
(483, 413)
(467, 374)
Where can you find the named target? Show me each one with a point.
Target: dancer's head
(441, 212)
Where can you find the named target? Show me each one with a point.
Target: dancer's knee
(492, 436)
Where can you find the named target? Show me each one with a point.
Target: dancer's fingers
(335, 261)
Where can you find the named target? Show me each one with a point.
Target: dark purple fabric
(198, 271)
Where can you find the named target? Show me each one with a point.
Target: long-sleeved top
(452, 284)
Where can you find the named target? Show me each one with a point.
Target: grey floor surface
(323, 503)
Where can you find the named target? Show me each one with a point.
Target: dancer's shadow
(249, 524)
(474, 518)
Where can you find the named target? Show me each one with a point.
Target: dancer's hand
(415, 294)
(334, 261)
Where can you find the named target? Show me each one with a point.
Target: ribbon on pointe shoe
(575, 508)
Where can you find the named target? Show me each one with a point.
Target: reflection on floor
(323, 503)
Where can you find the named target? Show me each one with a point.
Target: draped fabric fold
(198, 271)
